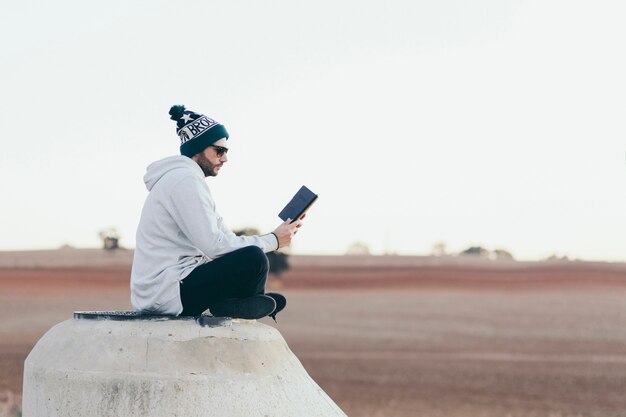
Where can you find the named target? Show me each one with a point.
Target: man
(186, 259)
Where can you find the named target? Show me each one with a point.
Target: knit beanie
(195, 130)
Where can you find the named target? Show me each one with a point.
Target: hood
(158, 169)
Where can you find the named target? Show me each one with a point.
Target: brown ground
(421, 339)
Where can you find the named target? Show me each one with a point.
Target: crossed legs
(238, 274)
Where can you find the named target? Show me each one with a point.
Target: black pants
(238, 274)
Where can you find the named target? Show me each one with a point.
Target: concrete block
(161, 367)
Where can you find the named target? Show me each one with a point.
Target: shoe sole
(281, 301)
(250, 308)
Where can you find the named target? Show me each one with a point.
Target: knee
(256, 258)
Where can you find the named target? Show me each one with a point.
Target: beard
(207, 166)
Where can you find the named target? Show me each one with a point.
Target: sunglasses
(220, 150)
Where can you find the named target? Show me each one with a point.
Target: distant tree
(110, 238)
(475, 251)
(358, 248)
(246, 231)
(278, 260)
(439, 249)
(555, 257)
(502, 254)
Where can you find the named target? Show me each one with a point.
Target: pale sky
(495, 123)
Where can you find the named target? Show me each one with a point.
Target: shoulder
(182, 169)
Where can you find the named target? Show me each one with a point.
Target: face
(210, 160)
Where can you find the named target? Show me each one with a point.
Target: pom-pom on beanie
(195, 130)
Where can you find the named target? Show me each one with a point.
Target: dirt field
(398, 338)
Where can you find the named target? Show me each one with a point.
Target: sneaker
(281, 302)
(250, 308)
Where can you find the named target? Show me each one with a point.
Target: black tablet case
(298, 204)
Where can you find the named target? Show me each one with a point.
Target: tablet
(298, 205)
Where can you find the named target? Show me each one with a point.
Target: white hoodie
(179, 230)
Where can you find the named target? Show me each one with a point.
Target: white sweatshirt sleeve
(193, 209)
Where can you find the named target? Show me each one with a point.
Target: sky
(494, 123)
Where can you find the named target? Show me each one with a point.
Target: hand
(286, 231)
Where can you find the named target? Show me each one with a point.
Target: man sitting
(186, 260)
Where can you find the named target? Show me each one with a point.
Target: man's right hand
(285, 232)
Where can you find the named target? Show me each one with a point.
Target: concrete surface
(141, 368)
